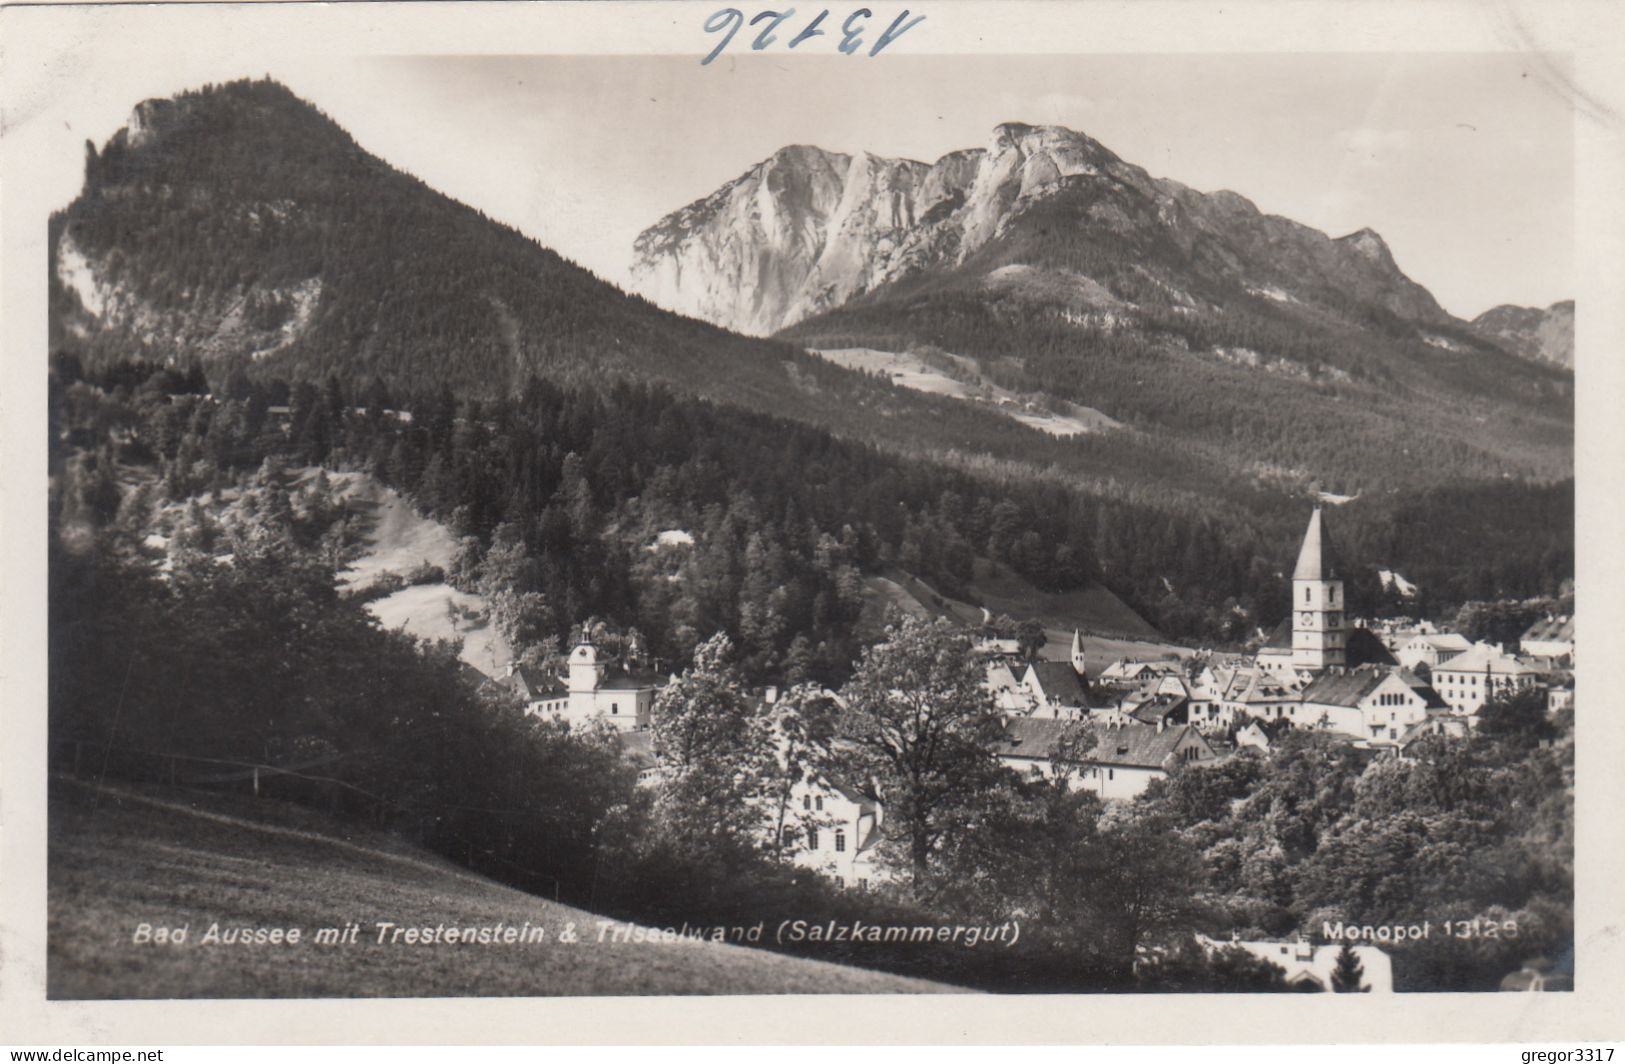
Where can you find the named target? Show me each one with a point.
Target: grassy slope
(1001, 590)
(908, 371)
(399, 539)
(120, 856)
(1093, 611)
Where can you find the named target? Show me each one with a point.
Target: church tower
(1318, 632)
(1079, 665)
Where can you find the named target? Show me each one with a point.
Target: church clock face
(1306, 618)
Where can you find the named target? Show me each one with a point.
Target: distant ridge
(1544, 334)
(805, 230)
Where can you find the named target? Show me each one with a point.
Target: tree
(1497, 622)
(920, 723)
(1035, 850)
(1030, 639)
(1149, 881)
(802, 724)
(97, 489)
(714, 752)
(522, 617)
(1348, 977)
(1519, 715)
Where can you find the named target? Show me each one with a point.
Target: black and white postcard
(569, 511)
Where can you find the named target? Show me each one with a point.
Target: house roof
(1123, 669)
(1437, 722)
(1484, 657)
(1364, 648)
(1138, 745)
(1453, 641)
(1560, 629)
(1160, 707)
(1000, 677)
(1126, 745)
(1255, 685)
(1423, 688)
(1316, 558)
(1058, 680)
(1343, 688)
(536, 683)
(850, 791)
(627, 683)
(1036, 737)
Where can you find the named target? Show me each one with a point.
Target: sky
(1463, 162)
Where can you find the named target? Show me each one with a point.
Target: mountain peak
(258, 131)
(1368, 243)
(1045, 137)
(1545, 335)
(805, 155)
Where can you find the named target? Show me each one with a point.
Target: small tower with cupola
(1319, 629)
(586, 676)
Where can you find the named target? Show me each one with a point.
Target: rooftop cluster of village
(1379, 686)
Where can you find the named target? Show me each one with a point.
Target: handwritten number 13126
(729, 20)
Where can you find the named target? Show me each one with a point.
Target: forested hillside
(1254, 391)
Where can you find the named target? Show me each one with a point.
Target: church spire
(1316, 559)
(1319, 638)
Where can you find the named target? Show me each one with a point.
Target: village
(1378, 687)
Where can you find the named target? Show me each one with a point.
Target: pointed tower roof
(1316, 559)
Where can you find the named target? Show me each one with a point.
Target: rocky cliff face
(1546, 335)
(799, 232)
(808, 230)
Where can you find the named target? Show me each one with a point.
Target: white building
(591, 689)
(1377, 705)
(1430, 649)
(1255, 693)
(1121, 764)
(1307, 965)
(833, 828)
(1478, 674)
